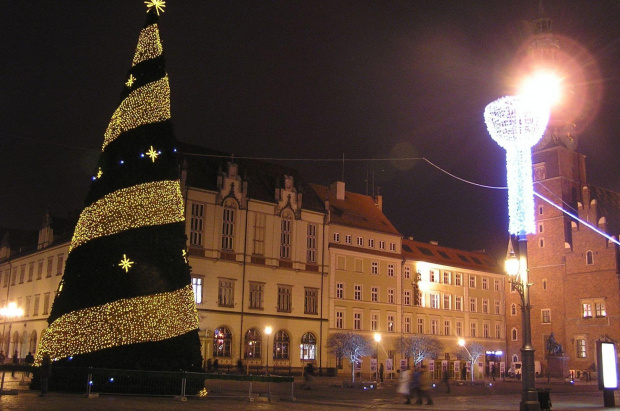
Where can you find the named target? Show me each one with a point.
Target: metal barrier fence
(157, 383)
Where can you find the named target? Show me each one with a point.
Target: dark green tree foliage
(93, 276)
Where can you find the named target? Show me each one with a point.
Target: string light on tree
(516, 123)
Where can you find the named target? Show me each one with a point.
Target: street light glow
(544, 86)
(268, 330)
(11, 311)
(461, 342)
(377, 337)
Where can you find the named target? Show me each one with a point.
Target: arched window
(222, 342)
(252, 344)
(589, 257)
(307, 348)
(515, 358)
(33, 342)
(513, 334)
(228, 225)
(281, 343)
(285, 235)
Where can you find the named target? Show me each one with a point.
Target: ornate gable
(230, 185)
(288, 197)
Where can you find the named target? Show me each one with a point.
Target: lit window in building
(281, 345)
(581, 347)
(252, 344)
(197, 287)
(195, 234)
(587, 310)
(222, 342)
(307, 348)
(284, 298)
(390, 322)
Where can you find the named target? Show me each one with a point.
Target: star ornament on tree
(157, 4)
(130, 81)
(126, 263)
(153, 154)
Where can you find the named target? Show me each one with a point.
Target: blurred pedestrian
(381, 372)
(308, 376)
(446, 380)
(216, 365)
(29, 360)
(240, 366)
(15, 362)
(424, 387)
(45, 371)
(404, 385)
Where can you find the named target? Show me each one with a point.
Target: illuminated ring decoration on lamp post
(516, 123)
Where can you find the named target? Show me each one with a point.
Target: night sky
(304, 80)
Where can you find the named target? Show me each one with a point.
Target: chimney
(338, 187)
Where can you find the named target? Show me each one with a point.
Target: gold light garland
(147, 104)
(148, 204)
(149, 45)
(128, 321)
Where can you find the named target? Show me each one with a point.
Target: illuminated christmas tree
(125, 300)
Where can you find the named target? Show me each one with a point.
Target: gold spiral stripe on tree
(149, 45)
(145, 105)
(142, 205)
(128, 321)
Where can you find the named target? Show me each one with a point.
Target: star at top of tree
(158, 4)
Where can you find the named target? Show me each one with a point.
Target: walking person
(29, 360)
(404, 385)
(424, 387)
(381, 372)
(45, 371)
(15, 362)
(308, 376)
(446, 380)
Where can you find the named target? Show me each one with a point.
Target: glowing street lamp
(268, 333)
(378, 340)
(10, 313)
(517, 123)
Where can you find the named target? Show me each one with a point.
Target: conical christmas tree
(126, 300)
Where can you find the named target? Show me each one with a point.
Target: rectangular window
(357, 321)
(407, 324)
(472, 281)
(390, 323)
(46, 303)
(347, 238)
(407, 297)
(360, 241)
(473, 304)
(497, 285)
(341, 262)
(374, 268)
(14, 276)
(498, 331)
(485, 283)
(27, 307)
(390, 295)
(50, 265)
(407, 272)
(311, 302)
(458, 303)
(357, 293)
(336, 237)
(256, 295)
(486, 331)
(284, 298)
(434, 327)
(225, 293)
(434, 276)
(581, 347)
(259, 234)
(599, 310)
(195, 233)
(285, 238)
(7, 276)
(447, 277)
(420, 325)
(392, 246)
(374, 321)
(458, 279)
(371, 242)
(434, 299)
(339, 319)
(447, 301)
(382, 245)
(22, 274)
(390, 272)
(497, 307)
(473, 328)
(587, 310)
(35, 309)
(60, 264)
(31, 271)
(545, 316)
(197, 287)
(485, 306)
(446, 327)
(311, 244)
(374, 294)
(39, 269)
(458, 329)
(340, 291)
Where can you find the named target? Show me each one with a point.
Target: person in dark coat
(29, 360)
(381, 372)
(44, 373)
(15, 362)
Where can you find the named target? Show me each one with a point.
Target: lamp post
(10, 312)
(378, 340)
(517, 123)
(268, 333)
(471, 359)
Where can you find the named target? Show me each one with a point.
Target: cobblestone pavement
(326, 393)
